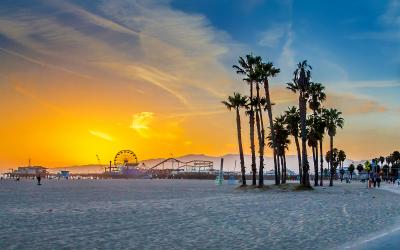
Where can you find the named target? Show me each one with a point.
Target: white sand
(183, 214)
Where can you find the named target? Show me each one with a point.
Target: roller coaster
(194, 166)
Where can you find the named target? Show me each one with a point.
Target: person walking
(38, 178)
(378, 180)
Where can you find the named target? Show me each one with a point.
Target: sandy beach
(182, 214)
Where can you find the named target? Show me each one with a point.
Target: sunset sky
(80, 78)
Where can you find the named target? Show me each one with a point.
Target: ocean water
(182, 214)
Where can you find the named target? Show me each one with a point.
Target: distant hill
(229, 163)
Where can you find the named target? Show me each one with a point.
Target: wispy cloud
(273, 36)
(369, 84)
(140, 41)
(43, 64)
(392, 14)
(101, 135)
(286, 59)
(148, 126)
(140, 123)
(351, 104)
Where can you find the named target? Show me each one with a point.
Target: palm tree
(292, 121)
(334, 120)
(351, 170)
(266, 71)
(315, 99)
(333, 156)
(321, 127)
(313, 136)
(282, 143)
(301, 85)
(342, 158)
(237, 102)
(247, 67)
(328, 159)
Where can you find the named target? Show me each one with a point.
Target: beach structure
(126, 165)
(28, 172)
(173, 167)
(63, 174)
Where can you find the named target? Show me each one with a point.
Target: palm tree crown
(333, 120)
(236, 101)
(316, 95)
(301, 78)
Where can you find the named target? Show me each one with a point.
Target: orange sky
(72, 94)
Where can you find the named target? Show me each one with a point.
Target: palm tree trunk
(313, 155)
(304, 160)
(261, 138)
(268, 106)
(296, 139)
(316, 165)
(284, 165)
(239, 134)
(321, 183)
(279, 168)
(331, 160)
(252, 143)
(283, 170)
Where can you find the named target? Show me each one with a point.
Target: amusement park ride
(126, 165)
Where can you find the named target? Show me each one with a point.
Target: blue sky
(360, 36)
(141, 74)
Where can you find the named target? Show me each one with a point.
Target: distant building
(288, 172)
(30, 171)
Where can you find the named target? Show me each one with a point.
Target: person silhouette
(38, 178)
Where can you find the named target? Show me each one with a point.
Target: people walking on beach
(378, 181)
(38, 177)
(374, 179)
(370, 180)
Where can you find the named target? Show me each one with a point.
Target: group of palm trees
(336, 158)
(390, 164)
(307, 131)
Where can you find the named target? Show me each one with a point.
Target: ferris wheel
(125, 158)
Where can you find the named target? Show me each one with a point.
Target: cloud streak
(101, 135)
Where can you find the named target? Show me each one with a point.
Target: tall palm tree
(266, 71)
(313, 136)
(301, 85)
(321, 134)
(334, 120)
(259, 103)
(247, 67)
(236, 102)
(316, 97)
(292, 121)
